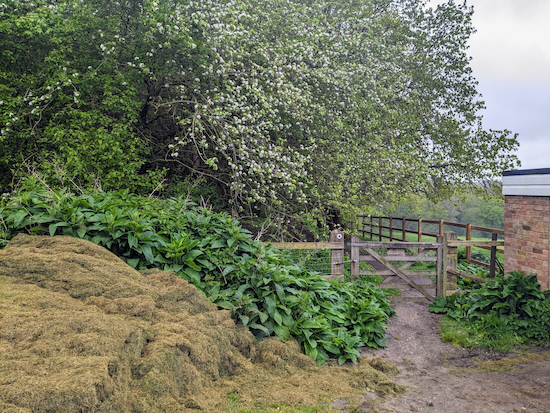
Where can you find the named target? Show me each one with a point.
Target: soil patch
(443, 378)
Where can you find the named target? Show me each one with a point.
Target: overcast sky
(511, 60)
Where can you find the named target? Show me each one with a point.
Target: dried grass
(80, 331)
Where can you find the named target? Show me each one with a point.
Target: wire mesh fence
(314, 260)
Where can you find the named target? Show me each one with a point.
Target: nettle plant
(261, 286)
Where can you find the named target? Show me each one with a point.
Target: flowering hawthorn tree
(298, 105)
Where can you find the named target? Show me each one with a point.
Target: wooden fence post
(337, 255)
(391, 229)
(441, 227)
(441, 264)
(404, 229)
(380, 229)
(468, 238)
(354, 256)
(371, 222)
(493, 262)
(451, 262)
(420, 230)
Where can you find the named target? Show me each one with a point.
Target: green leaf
(277, 317)
(53, 227)
(311, 324)
(81, 232)
(148, 253)
(206, 263)
(260, 327)
(218, 244)
(282, 332)
(173, 267)
(239, 293)
(132, 241)
(132, 262)
(193, 276)
(270, 304)
(263, 316)
(227, 270)
(18, 217)
(225, 305)
(310, 351)
(193, 265)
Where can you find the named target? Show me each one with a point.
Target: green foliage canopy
(297, 105)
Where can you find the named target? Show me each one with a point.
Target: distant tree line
(480, 209)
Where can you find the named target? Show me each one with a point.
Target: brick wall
(527, 232)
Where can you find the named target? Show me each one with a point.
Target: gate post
(441, 266)
(354, 256)
(337, 255)
(451, 261)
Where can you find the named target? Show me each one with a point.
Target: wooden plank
(307, 245)
(399, 244)
(399, 273)
(473, 243)
(485, 229)
(421, 253)
(466, 275)
(381, 273)
(388, 272)
(499, 250)
(409, 258)
(481, 263)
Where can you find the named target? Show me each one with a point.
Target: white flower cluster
(294, 101)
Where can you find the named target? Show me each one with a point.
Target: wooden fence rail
(394, 228)
(399, 257)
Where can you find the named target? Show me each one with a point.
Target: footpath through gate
(394, 262)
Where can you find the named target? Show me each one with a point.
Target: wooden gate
(392, 261)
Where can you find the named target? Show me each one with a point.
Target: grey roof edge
(540, 171)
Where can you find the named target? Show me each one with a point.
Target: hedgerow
(261, 286)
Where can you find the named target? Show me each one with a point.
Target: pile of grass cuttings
(81, 331)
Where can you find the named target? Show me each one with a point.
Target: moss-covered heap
(81, 331)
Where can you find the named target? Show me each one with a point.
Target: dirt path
(445, 379)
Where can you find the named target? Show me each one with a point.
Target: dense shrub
(513, 305)
(263, 288)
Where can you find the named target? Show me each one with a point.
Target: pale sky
(511, 61)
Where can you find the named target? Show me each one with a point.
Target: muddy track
(443, 378)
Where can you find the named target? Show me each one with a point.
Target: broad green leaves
(263, 289)
(512, 305)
